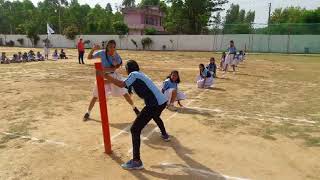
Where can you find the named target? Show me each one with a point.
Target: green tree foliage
(191, 16)
(129, 3)
(71, 32)
(150, 31)
(238, 21)
(109, 8)
(18, 17)
(120, 28)
(294, 20)
(149, 3)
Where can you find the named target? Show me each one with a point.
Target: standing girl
(155, 103)
(111, 61)
(230, 57)
(223, 58)
(204, 80)
(170, 90)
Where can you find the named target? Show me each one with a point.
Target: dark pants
(81, 54)
(146, 114)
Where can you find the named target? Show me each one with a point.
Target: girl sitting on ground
(204, 79)
(170, 90)
(4, 59)
(63, 54)
(19, 56)
(25, 57)
(55, 55)
(39, 56)
(212, 67)
(15, 58)
(31, 56)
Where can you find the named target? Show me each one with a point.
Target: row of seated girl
(205, 79)
(61, 55)
(18, 58)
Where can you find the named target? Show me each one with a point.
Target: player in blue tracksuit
(155, 103)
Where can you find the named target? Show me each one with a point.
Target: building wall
(133, 19)
(250, 42)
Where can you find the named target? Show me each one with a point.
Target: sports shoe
(86, 117)
(165, 137)
(136, 110)
(132, 165)
(172, 107)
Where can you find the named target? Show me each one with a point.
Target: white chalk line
(201, 171)
(34, 139)
(173, 115)
(259, 115)
(126, 129)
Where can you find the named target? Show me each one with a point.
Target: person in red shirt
(80, 47)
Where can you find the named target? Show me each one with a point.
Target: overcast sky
(259, 6)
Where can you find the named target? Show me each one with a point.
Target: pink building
(138, 19)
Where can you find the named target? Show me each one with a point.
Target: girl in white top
(170, 90)
(230, 60)
(204, 79)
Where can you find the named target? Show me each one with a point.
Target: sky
(259, 6)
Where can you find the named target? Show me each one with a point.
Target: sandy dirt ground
(261, 123)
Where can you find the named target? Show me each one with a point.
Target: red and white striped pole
(103, 108)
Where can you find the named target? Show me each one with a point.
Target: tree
(71, 32)
(129, 3)
(149, 3)
(109, 8)
(191, 16)
(238, 21)
(120, 28)
(294, 20)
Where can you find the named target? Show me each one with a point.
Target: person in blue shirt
(111, 61)
(170, 90)
(212, 67)
(155, 103)
(204, 79)
(230, 60)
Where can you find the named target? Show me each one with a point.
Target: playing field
(261, 123)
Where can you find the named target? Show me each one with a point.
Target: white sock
(88, 111)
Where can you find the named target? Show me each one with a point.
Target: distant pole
(269, 24)
(269, 19)
(59, 19)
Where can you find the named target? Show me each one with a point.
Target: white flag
(49, 30)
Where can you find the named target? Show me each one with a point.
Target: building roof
(147, 10)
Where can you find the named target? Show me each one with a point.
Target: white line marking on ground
(126, 129)
(259, 115)
(36, 139)
(170, 117)
(201, 171)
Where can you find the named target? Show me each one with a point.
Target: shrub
(120, 28)
(146, 42)
(71, 32)
(10, 43)
(150, 31)
(21, 41)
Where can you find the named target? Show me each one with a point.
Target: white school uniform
(111, 89)
(209, 81)
(168, 87)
